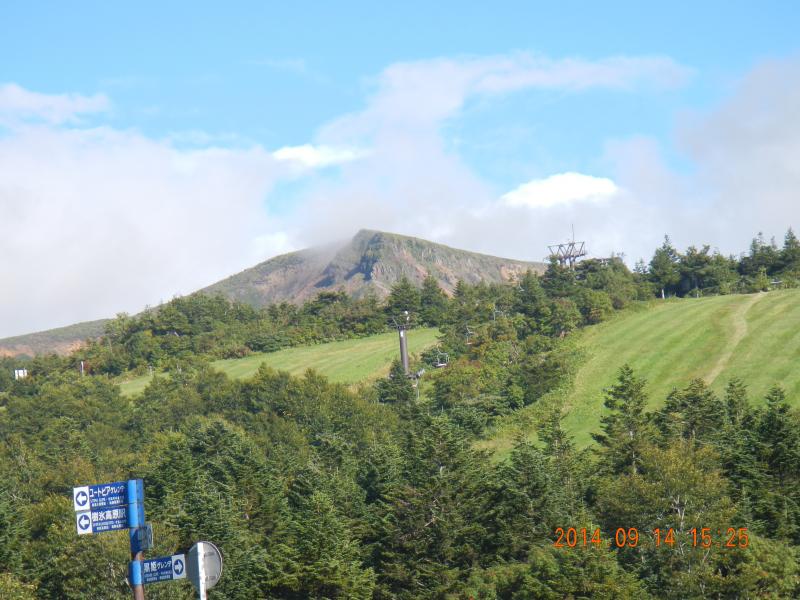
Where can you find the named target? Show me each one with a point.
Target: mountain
(371, 262)
(62, 340)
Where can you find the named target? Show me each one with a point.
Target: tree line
(315, 490)
(701, 271)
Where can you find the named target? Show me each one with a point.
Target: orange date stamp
(629, 537)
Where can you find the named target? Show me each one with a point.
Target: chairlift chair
(470, 333)
(442, 359)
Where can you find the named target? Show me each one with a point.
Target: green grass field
(348, 361)
(755, 337)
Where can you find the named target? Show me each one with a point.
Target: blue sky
(201, 139)
(274, 72)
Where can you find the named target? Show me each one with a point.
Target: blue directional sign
(104, 495)
(165, 568)
(98, 521)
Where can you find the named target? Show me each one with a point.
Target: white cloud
(313, 157)
(105, 220)
(746, 152)
(560, 189)
(425, 92)
(576, 74)
(18, 104)
(272, 244)
(740, 174)
(96, 221)
(412, 181)
(743, 176)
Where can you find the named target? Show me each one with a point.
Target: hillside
(61, 340)
(755, 337)
(371, 262)
(277, 466)
(348, 361)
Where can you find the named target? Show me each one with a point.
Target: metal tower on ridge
(567, 254)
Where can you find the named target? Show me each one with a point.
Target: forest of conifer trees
(321, 490)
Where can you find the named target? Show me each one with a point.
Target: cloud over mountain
(108, 219)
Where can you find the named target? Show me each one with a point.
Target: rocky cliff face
(371, 262)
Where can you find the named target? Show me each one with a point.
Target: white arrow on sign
(178, 566)
(83, 521)
(80, 498)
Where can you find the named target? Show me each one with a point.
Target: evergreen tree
(624, 425)
(433, 302)
(790, 253)
(559, 447)
(694, 413)
(10, 530)
(564, 316)
(595, 306)
(736, 403)
(779, 437)
(678, 487)
(434, 531)
(760, 282)
(739, 455)
(664, 271)
(526, 506)
(327, 556)
(762, 256)
(530, 300)
(558, 280)
(720, 275)
(397, 388)
(403, 297)
(12, 588)
(694, 267)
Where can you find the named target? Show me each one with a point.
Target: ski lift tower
(402, 327)
(568, 254)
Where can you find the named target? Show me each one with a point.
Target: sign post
(204, 566)
(112, 507)
(135, 497)
(120, 505)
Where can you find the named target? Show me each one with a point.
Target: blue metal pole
(135, 509)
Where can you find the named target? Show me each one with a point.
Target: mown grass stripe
(675, 341)
(348, 361)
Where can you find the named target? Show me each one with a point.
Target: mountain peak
(371, 262)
